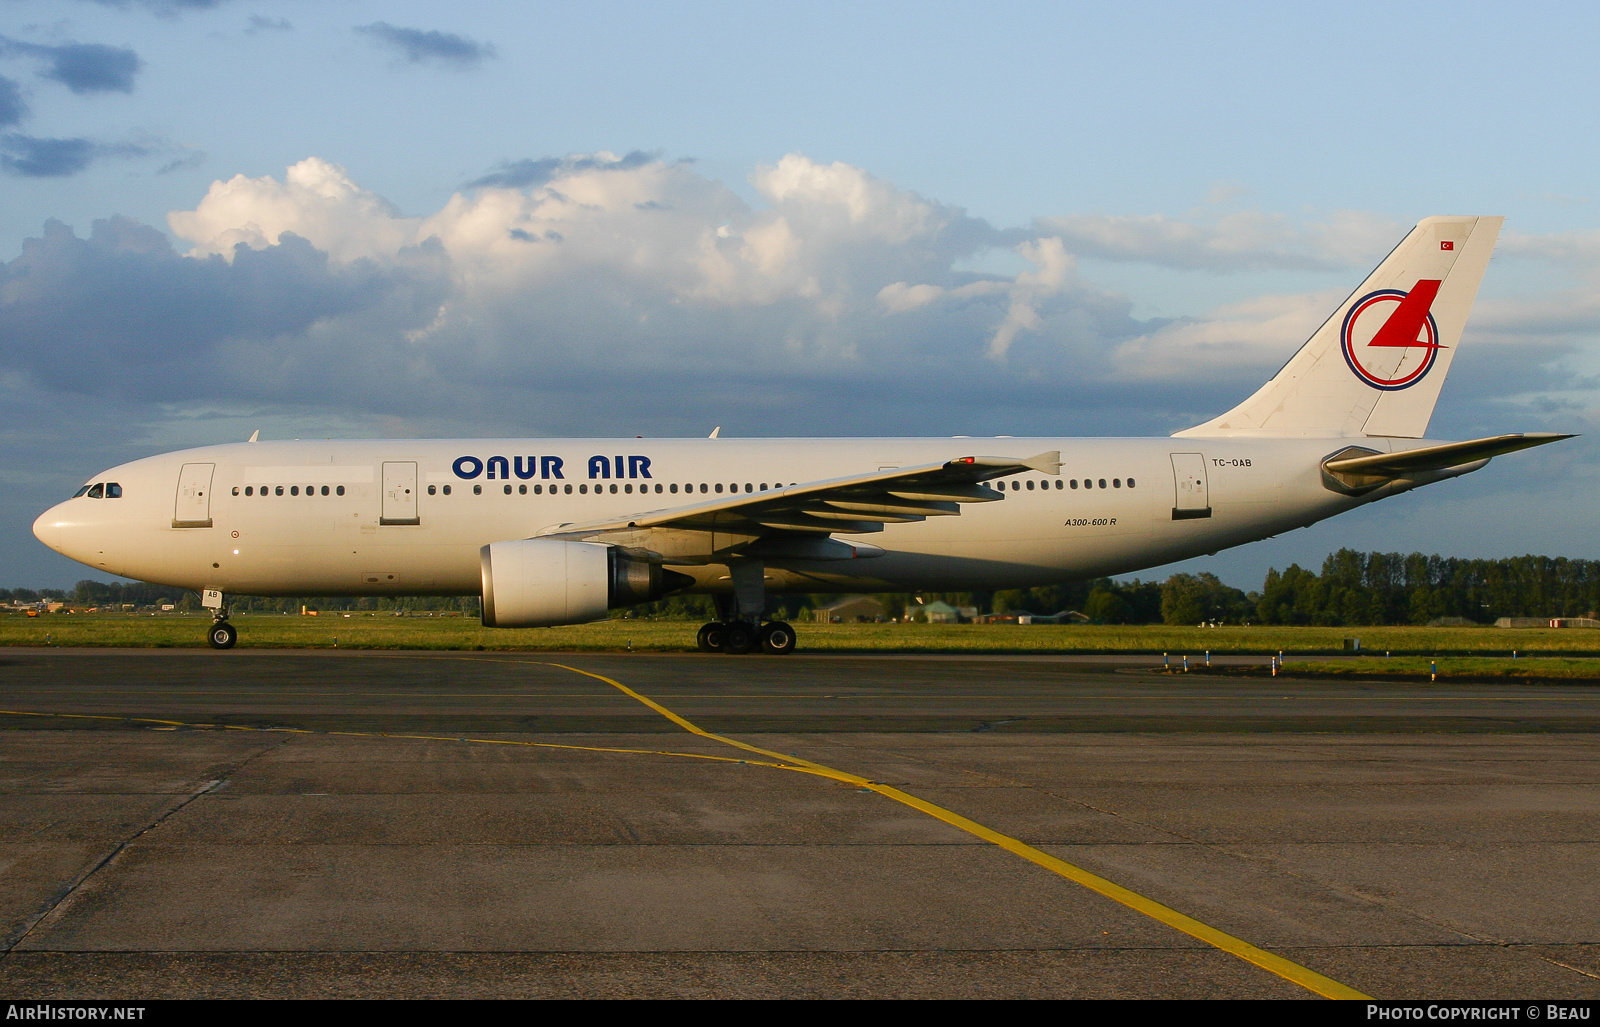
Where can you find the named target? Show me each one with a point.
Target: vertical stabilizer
(1376, 366)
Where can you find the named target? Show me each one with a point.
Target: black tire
(739, 638)
(711, 637)
(777, 638)
(223, 635)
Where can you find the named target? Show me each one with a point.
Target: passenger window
(508, 490)
(324, 490)
(338, 490)
(294, 490)
(583, 490)
(249, 490)
(236, 490)
(1030, 484)
(1130, 483)
(1060, 484)
(673, 488)
(629, 488)
(446, 490)
(567, 489)
(432, 489)
(477, 490)
(613, 490)
(81, 492)
(538, 490)
(749, 487)
(763, 486)
(1073, 483)
(1102, 483)
(702, 488)
(522, 490)
(658, 489)
(1116, 483)
(1088, 483)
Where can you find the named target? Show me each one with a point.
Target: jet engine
(536, 583)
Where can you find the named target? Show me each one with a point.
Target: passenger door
(193, 506)
(1191, 498)
(399, 493)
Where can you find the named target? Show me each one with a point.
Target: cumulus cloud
(1245, 240)
(78, 315)
(531, 306)
(610, 294)
(419, 46)
(1254, 333)
(81, 67)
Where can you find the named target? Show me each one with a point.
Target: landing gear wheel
(223, 635)
(777, 638)
(711, 637)
(739, 638)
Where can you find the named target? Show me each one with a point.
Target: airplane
(559, 531)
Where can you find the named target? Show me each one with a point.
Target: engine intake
(534, 583)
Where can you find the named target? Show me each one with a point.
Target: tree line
(1353, 588)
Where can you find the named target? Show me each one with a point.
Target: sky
(360, 219)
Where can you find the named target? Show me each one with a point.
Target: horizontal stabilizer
(1357, 471)
(1435, 458)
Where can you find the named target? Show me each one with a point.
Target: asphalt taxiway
(511, 824)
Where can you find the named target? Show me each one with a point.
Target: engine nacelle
(535, 583)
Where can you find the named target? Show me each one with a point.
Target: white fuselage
(306, 518)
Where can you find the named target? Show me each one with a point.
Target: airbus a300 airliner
(559, 531)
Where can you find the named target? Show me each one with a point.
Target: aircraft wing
(851, 505)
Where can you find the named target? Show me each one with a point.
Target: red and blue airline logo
(1389, 338)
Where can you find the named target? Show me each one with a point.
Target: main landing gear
(222, 635)
(738, 636)
(740, 628)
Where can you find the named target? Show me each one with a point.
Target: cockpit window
(80, 492)
(113, 490)
(98, 491)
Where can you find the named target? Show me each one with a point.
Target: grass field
(381, 631)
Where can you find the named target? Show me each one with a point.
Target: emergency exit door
(399, 493)
(1191, 499)
(193, 506)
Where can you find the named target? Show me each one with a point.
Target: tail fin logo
(1389, 338)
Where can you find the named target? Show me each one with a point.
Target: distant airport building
(1548, 622)
(850, 610)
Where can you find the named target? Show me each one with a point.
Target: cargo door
(1191, 497)
(399, 493)
(193, 506)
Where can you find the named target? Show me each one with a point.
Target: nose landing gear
(222, 635)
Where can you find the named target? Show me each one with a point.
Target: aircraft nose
(48, 528)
